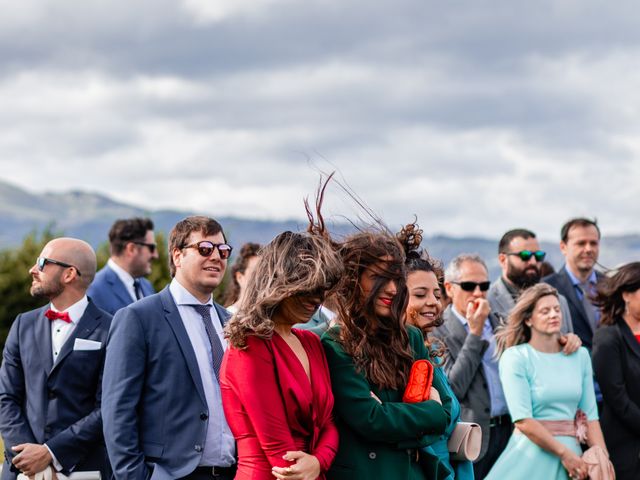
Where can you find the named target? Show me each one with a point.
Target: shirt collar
(124, 276)
(460, 317)
(75, 311)
(182, 296)
(574, 280)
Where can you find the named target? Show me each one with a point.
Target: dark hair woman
(550, 395)
(275, 383)
(241, 272)
(424, 308)
(370, 354)
(616, 362)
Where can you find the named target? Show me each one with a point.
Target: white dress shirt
(219, 445)
(61, 330)
(125, 277)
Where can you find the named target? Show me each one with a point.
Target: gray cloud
(477, 116)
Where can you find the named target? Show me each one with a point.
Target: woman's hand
(435, 395)
(575, 466)
(306, 467)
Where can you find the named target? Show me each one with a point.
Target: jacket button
(51, 394)
(198, 448)
(372, 455)
(204, 416)
(486, 410)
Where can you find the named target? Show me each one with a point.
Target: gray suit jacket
(463, 366)
(502, 302)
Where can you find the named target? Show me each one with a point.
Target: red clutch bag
(419, 384)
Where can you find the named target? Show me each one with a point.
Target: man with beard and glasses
(51, 375)
(121, 281)
(521, 260)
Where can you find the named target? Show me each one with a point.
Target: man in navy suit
(121, 281)
(577, 279)
(162, 407)
(51, 375)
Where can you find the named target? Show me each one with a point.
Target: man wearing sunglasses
(51, 374)
(471, 366)
(121, 281)
(161, 401)
(520, 259)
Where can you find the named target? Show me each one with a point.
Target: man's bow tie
(53, 315)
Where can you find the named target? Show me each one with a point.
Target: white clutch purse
(465, 442)
(47, 475)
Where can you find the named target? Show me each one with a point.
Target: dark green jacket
(378, 441)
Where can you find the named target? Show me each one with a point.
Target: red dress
(272, 408)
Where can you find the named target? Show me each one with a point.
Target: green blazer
(378, 441)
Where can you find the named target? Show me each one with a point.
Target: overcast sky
(476, 116)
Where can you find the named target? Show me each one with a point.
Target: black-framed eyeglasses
(205, 248)
(471, 286)
(525, 255)
(42, 262)
(151, 246)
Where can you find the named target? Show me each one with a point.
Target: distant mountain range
(89, 216)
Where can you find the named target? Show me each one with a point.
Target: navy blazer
(109, 293)
(153, 404)
(581, 325)
(54, 403)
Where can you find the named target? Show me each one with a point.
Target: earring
(413, 315)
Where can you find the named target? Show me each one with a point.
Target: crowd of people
(304, 375)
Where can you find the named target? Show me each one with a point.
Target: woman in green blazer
(370, 355)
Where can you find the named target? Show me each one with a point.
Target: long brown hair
(516, 331)
(293, 263)
(379, 346)
(609, 292)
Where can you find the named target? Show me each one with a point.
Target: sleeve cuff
(54, 460)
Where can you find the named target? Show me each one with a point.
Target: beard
(524, 278)
(47, 290)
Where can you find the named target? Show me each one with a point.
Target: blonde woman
(545, 392)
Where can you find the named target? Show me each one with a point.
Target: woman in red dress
(275, 383)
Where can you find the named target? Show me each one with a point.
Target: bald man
(51, 375)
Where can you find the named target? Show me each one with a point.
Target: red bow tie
(53, 315)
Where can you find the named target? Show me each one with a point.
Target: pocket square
(84, 344)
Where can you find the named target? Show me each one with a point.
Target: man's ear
(502, 260)
(563, 248)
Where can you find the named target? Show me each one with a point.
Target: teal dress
(543, 386)
(454, 470)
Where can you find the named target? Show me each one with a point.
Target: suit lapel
(223, 313)
(119, 289)
(86, 325)
(573, 297)
(43, 339)
(172, 316)
(455, 327)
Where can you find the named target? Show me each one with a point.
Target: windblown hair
(609, 292)
(247, 252)
(303, 263)
(418, 260)
(378, 345)
(515, 331)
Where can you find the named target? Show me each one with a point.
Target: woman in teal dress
(540, 385)
(424, 280)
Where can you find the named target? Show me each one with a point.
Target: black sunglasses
(525, 255)
(151, 246)
(42, 262)
(206, 248)
(471, 286)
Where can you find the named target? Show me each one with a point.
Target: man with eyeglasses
(161, 401)
(121, 281)
(520, 260)
(471, 365)
(51, 374)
